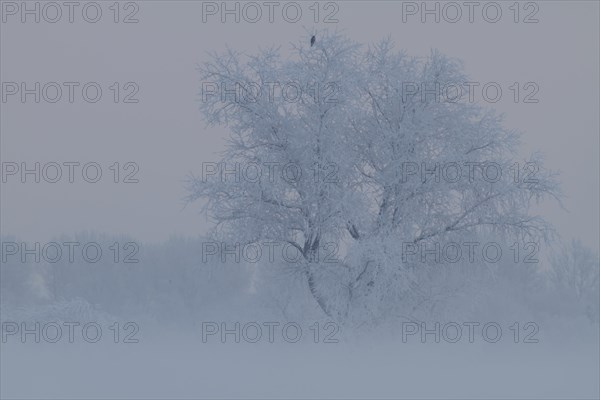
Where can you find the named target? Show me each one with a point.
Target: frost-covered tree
(306, 201)
(435, 169)
(386, 158)
(575, 275)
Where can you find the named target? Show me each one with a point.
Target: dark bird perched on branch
(312, 40)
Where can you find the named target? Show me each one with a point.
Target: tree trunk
(313, 290)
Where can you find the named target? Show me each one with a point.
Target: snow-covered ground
(177, 365)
